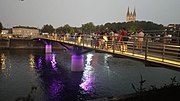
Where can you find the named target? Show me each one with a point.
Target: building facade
(5, 31)
(131, 16)
(24, 31)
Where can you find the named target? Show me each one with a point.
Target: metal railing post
(113, 46)
(83, 39)
(146, 46)
(163, 54)
(133, 47)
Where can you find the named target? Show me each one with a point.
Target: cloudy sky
(77, 12)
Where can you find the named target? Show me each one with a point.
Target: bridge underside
(74, 50)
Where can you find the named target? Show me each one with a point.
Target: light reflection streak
(88, 76)
(3, 61)
(53, 61)
(4, 66)
(106, 59)
(55, 88)
(40, 62)
(31, 61)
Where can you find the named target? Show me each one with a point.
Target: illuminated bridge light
(48, 48)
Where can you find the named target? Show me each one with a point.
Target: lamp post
(179, 41)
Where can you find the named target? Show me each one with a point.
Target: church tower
(131, 16)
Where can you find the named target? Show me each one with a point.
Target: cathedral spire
(131, 15)
(134, 13)
(128, 11)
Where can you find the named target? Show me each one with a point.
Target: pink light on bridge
(48, 48)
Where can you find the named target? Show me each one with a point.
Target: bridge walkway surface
(155, 52)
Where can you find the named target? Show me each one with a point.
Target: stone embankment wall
(24, 44)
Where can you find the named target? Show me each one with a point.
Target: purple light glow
(48, 57)
(39, 62)
(77, 63)
(52, 59)
(48, 48)
(55, 88)
(88, 76)
(53, 62)
(87, 85)
(39, 39)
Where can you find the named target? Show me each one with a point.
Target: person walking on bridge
(140, 39)
(124, 39)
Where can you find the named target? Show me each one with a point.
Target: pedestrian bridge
(159, 52)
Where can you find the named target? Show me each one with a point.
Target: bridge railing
(162, 49)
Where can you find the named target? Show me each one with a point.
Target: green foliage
(59, 30)
(68, 29)
(47, 29)
(108, 27)
(88, 28)
(130, 26)
(141, 89)
(65, 29)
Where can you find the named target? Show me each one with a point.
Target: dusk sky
(37, 13)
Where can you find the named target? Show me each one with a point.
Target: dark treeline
(90, 27)
(1, 27)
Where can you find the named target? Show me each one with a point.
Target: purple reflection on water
(53, 61)
(55, 88)
(48, 57)
(39, 62)
(77, 63)
(51, 58)
(87, 85)
(88, 76)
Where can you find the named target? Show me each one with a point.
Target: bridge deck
(163, 54)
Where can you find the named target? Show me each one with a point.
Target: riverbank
(24, 44)
(163, 94)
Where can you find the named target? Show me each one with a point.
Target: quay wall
(24, 44)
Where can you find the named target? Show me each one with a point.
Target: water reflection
(39, 63)
(31, 61)
(88, 75)
(77, 63)
(3, 61)
(102, 76)
(51, 58)
(57, 82)
(106, 60)
(49, 74)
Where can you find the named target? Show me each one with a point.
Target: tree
(88, 28)
(47, 29)
(1, 27)
(68, 29)
(59, 30)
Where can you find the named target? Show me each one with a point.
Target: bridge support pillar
(48, 48)
(77, 63)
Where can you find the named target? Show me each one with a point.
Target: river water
(32, 74)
